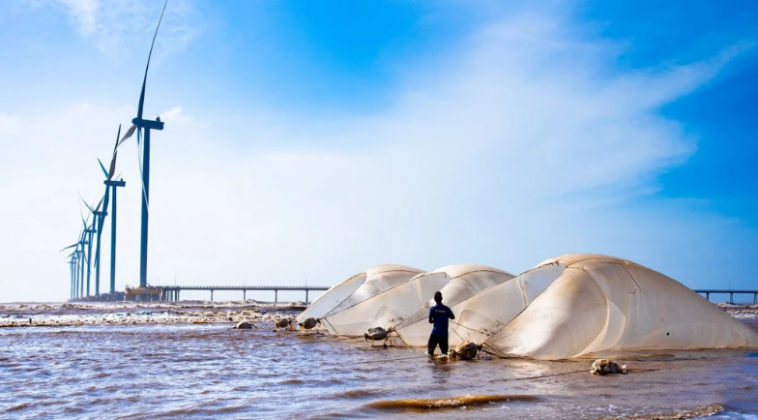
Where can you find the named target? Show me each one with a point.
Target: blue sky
(315, 139)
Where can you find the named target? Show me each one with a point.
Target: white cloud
(117, 27)
(84, 13)
(174, 114)
(526, 145)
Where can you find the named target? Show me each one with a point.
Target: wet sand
(131, 313)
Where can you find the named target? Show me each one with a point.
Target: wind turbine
(79, 257)
(89, 231)
(72, 264)
(141, 125)
(99, 220)
(82, 261)
(110, 186)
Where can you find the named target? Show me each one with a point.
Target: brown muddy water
(152, 362)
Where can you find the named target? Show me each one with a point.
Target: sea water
(157, 365)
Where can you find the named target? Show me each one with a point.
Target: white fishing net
(387, 308)
(598, 303)
(483, 314)
(357, 289)
(463, 282)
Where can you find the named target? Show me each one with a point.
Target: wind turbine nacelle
(149, 124)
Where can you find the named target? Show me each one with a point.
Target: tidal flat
(185, 360)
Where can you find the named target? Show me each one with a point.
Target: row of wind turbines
(80, 259)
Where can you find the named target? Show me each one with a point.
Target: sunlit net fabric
(393, 306)
(463, 282)
(483, 314)
(358, 288)
(598, 303)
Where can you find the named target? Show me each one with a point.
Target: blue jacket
(438, 315)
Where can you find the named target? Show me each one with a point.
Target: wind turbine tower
(88, 232)
(99, 219)
(146, 126)
(78, 258)
(72, 272)
(111, 187)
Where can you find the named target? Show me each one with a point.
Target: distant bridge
(731, 293)
(171, 293)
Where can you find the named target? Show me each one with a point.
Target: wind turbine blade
(112, 167)
(141, 176)
(118, 137)
(102, 167)
(144, 81)
(129, 133)
(106, 198)
(69, 247)
(97, 208)
(85, 203)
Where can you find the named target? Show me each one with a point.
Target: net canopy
(483, 314)
(393, 306)
(463, 282)
(357, 289)
(597, 303)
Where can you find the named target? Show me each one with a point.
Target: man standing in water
(438, 315)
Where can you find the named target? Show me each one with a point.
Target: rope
(471, 329)
(574, 372)
(494, 352)
(393, 360)
(459, 336)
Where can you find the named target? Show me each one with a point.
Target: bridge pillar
(276, 295)
(244, 295)
(211, 295)
(755, 297)
(708, 296)
(731, 297)
(177, 295)
(306, 296)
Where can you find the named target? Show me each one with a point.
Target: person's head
(438, 297)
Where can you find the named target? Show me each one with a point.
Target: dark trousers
(434, 340)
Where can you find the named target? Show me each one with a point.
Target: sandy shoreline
(109, 313)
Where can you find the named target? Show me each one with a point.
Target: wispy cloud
(115, 25)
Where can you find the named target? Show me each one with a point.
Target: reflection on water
(213, 371)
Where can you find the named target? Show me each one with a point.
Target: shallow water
(213, 371)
